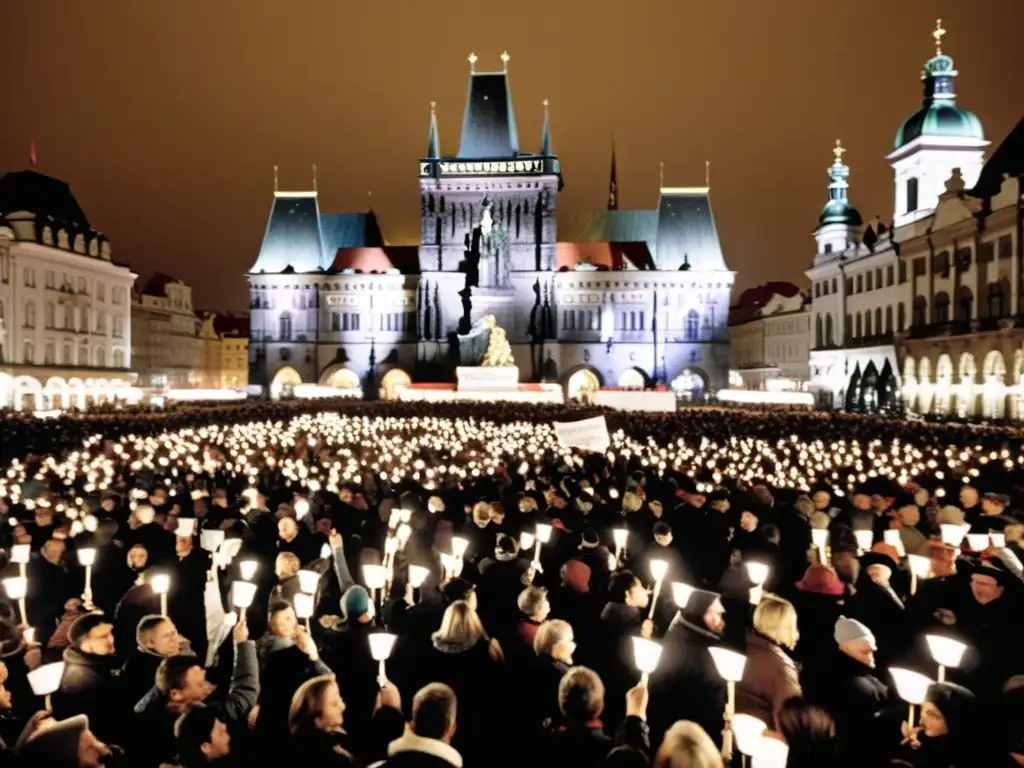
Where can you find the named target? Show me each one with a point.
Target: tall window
(336, 321)
(30, 314)
(996, 299)
(942, 307)
(692, 328)
(920, 310)
(50, 353)
(285, 326)
(888, 319)
(911, 195)
(100, 357)
(817, 331)
(878, 321)
(829, 339)
(119, 358)
(28, 354)
(901, 317)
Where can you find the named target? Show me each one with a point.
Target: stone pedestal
(479, 378)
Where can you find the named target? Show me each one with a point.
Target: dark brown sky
(167, 117)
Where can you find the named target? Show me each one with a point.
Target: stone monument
(496, 370)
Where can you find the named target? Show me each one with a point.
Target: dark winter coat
(90, 687)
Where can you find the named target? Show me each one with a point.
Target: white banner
(588, 434)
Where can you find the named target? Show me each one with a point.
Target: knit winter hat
(848, 630)
(576, 576)
(355, 603)
(84, 625)
(590, 538)
(55, 745)
(821, 580)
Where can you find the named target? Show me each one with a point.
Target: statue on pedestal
(499, 351)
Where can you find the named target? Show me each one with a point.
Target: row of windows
(97, 359)
(344, 321)
(71, 320)
(591, 320)
(350, 321)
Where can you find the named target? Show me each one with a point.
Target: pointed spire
(432, 145)
(32, 151)
(314, 177)
(613, 183)
(661, 176)
(707, 174)
(275, 178)
(472, 62)
(546, 140)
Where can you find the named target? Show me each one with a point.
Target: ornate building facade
(924, 313)
(640, 295)
(770, 335)
(168, 353)
(65, 322)
(224, 340)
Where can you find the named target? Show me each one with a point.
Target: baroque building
(639, 295)
(923, 313)
(167, 350)
(65, 322)
(224, 340)
(769, 331)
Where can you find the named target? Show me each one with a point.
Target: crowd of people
(401, 585)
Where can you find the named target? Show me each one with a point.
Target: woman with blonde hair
(770, 676)
(687, 745)
(464, 658)
(315, 721)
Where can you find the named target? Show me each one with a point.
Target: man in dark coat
(181, 683)
(89, 685)
(427, 741)
(156, 639)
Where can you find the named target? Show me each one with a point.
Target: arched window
(692, 327)
(28, 354)
(888, 319)
(817, 331)
(30, 314)
(867, 323)
(50, 314)
(83, 355)
(901, 317)
(285, 326)
(829, 336)
(49, 353)
(859, 327)
(878, 321)
(118, 357)
(920, 310)
(65, 355)
(99, 357)
(85, 318)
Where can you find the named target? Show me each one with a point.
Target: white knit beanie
(850, 629)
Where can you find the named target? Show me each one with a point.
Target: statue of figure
(499, 351)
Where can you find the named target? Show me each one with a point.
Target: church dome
(939, 115)
(840, 212)
(939, 119)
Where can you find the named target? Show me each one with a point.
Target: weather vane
(472, 62)
(839, 151)
(938, 34)
(504, 60)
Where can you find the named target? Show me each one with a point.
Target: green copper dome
(939, 119)
(840, 212)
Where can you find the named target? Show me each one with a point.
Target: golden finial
(433, 107)
(504, 60)
(707, 174)
(275, 178)
(314, 177)
(472, 62)
(938, 34)
(545, 103)
(839, 151)
(661, 176)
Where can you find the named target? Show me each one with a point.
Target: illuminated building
(769, 333)
(65, 324)
(167, 349)
(922, 314)
(640, 297)
(224, 338)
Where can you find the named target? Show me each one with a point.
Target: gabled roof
(489, 123)
(687, 232)
(1008, 159)
(234, 324)
(42, 195)
(292, 238)
(615, 227)
(381, 259)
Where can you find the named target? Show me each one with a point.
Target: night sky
(167, 118)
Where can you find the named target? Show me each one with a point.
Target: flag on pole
(32, 151)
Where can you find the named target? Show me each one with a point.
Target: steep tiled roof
(404, 258)
(292, 238)
(1008, 159)
(687, 232)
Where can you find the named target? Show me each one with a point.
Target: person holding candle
(946, 736)
(623, 616)
(316, 721)
(286, 569)
(180, 685)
